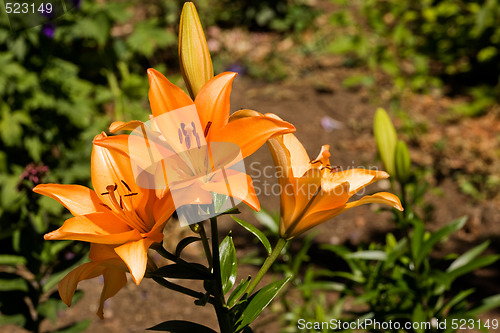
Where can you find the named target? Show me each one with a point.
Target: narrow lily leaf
(368, 255)
(418, 316)
(486, 304)
(228, 263)
(439, 235)
(268, 220)
(386, 138)
(257, 233)
(177, 271)
(473, 265)
(455, 300)
(8, 259)
(468, 256)
(238, 292)
(259, 301)
(181, 326)
(185, 242)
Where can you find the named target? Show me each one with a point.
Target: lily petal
(291, 164)
(79, 200)
(212, 102)
(252, 132)
(163, 95)
(135, 256)
(114, 281)
(122, 126)
(103, 228)
(237, 185)
(67, 286)
(357, 178)
(385, 198)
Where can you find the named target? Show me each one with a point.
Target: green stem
(219, 301)
(267, 264)
(181, 289)
(206, 246)
(172, 257)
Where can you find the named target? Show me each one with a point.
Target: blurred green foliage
(424, 45)
(59, 87)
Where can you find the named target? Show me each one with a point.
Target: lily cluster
(122, 219)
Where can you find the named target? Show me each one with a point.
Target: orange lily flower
(211, 107)
(117, 213)
(104, 262)
(312, 191)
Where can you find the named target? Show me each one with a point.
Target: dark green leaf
(259, 301)
(438, 236)
(181, 326)
(228, 263)
(486, 304)
(468, 256)
(257, 233)
(185, 242)
(238, 291)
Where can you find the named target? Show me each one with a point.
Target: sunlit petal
(163, 95)
(134, 254)
(79, 200)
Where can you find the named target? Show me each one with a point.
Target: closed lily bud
(402, 162)
(385, 135)
(194, 58)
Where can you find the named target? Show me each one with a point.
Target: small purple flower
(238, 68)
(49, 29)
(329, 124)
(32, 173)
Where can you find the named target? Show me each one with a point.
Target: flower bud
(194, 58)
(385, 135)
(402, 162)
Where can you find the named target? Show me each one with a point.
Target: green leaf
(468, 256)
(367, 255)
(185, 242)
(385, 135)
(486, 304)
(455, 300)
(9, 259)
(418, 317)
(17, 319)
(54, 279)
(439, 235)
(238, 291)
(181, 326)
(76, 328)
(228, 263)
(257, 233)
(13, 284)
(177, 271)
(472, 266)
(268, 220)
(259, 301)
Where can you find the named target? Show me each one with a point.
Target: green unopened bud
(194, 58)
(402, 162)
(385, 135)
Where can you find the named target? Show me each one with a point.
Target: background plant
(426, 45)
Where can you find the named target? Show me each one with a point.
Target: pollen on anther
(207, 128)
